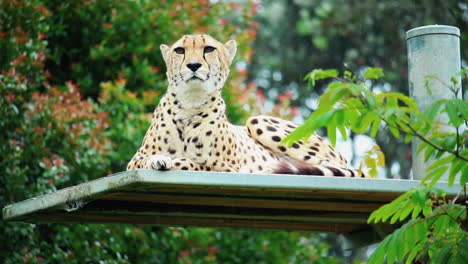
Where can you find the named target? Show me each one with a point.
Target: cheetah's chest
(202, 137)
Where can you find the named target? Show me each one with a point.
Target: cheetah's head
(197, 66)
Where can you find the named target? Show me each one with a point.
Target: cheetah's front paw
(159, 162)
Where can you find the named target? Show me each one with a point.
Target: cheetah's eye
(179, 50)
(209, 49)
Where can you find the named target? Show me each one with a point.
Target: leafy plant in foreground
(349, 103)
(435, 232)
(437, 235)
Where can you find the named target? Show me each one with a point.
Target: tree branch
(423, 138)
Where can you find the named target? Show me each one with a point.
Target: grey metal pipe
(432, 51)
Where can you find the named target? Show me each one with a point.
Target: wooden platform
(288, 202)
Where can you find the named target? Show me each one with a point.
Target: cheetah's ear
(164, 51)
(231, 47)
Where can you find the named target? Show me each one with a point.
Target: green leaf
(406, 211)
(354, 89)
(435, 175)
(408, 138)
(319, 74)
(463, 249)
(455, 212)
(375, 127)
(391, 97)
(405, 128)
(395, 132)
(427, 211)
(343, 132)
(365, 122)
(429, 151)
(391, 249)
(373, 73)
(452, 112)
(447, 140)
(370, 97)
(349, 76)
(390, 118)
(414, 253)
(440, 162)
(441, 224)
(439, 154)
(427, 82)
(314, 122)
(420, 196)
(304, 130)
(443, 254)
(340, 116)
(410, 239)
(399, 247)
(378, 256)
(380, 156)
(417, 210)
(331, 132)
(432, 110)
(337, 92)
(386, 211)
(464, 174)
(392, 101)
(398, 211)
(420, 228)
(455, 168)
(462, 106)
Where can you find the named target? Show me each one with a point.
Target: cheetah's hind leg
(314, 157)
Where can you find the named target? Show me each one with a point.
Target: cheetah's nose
(194, 66)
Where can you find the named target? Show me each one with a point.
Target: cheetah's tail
(286, 167)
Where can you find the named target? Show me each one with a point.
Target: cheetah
(190, 131)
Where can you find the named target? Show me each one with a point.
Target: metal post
(432, 51)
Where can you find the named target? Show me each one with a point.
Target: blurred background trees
(79, 80)
(78, 83)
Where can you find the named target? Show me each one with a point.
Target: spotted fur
(190, 131)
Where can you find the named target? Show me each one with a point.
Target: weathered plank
(288, 202)
(254, 202)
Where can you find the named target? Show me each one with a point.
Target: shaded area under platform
(180, 198)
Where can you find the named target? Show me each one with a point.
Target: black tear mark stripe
(180, 66)
(204, 58)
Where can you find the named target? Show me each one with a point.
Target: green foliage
(319, 74)
(126, 118)
(373, 158)
(433, 234)
(374, 73)
(231, 246)
(349, 104)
